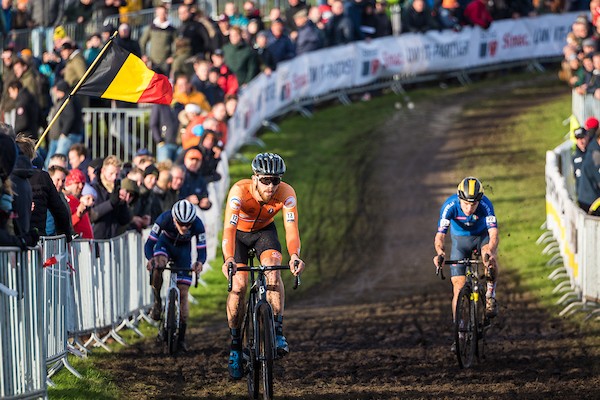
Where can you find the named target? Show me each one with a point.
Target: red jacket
(82, 225)
(477, 14)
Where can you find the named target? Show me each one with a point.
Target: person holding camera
(111, 208)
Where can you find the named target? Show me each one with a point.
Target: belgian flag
(120, 75)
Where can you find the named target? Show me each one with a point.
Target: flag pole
(76, 88)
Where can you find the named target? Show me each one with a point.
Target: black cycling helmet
(268, 164)
(470, 189)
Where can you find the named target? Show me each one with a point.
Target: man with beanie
(148, 206)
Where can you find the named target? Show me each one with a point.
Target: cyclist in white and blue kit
(470, 216)
(170, 239)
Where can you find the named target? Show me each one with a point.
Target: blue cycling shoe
(236, 370)
(282, 345)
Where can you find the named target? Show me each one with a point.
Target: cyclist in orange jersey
(251, 206)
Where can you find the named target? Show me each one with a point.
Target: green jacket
(160, 41)
(242, 61)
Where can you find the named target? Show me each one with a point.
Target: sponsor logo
(289, 202)
(488, 49)
(235, 203)
(202, 237)
(444, 222)
(370, 67)
(510, 41)
(234, 219)
(270, 210)
(290, 217)
(286, 91)
(156, 228)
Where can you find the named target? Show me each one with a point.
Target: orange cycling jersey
(243, 212)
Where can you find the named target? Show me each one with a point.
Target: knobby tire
(266, 349)
(172, 323)
(481, 323)
(464, 329)
(250, 355)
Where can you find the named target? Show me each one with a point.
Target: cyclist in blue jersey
(470, 216)
(170, 239)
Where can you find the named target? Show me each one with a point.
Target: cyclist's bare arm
(492, 247)
(292, 233)
(232, 213)
(439, 246)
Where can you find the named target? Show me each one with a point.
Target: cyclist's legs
(462, 247)
(235, 299)
(275, 289)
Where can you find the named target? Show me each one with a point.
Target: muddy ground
(385, 331)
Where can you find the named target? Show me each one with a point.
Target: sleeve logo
(444, 223)
(490, 220)
(290, 202)
(234, 219)
(202, 238)
(235, 203)
(156, 228)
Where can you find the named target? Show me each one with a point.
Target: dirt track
(385, 332)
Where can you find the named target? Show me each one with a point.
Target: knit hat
(89, 189)
(75, 176)
(151, 170)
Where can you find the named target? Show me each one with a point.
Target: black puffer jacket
(46, 198)
(22, 194)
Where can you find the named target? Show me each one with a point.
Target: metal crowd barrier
(573, 239)
(22, 329)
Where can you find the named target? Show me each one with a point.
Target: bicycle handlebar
(261, 268)
(172, 269)
(465, 261)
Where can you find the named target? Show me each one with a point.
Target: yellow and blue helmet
(470, 189)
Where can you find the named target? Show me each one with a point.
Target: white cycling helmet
(183, 211)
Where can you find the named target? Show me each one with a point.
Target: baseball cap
(580, 133)
(143, 152)
(218, 52)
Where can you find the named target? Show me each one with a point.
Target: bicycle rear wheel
(266, 349)
(172, 322)
(481, 324)
(250, 356)
(464, 332)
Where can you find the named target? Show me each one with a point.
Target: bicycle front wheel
(250, 356)
(482, 323)
(172, 322)
(266, 349)
(464, 332)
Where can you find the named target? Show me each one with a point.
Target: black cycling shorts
(262, 240)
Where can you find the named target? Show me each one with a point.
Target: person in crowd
(591, 126)
(170, 238)
(240, 58)
(353, 9)
(582, 138)
(111, 210)
(383, 23)
(235, 18)
(339, 29)
(125, 41)
(588, 75)
(27, 110)
(219, 113)
(8, 157)
(211, 149)
(79, 11)
(266, 61)
(132, 192)
(78, 157)
(44, 195)
(470, 216)
(163, 126)
(19, 18)
(194, 186)
(8, 75)
(227, 79)
(46, 14)
(191, 126)
(162, 188)
(148, 206)
(449, 15)
(58, 175)
(80, 203)
(59, 160)
(22, 194)
(201, 82)
(181, 58)
(221, 37)
(294, 7)
(184, 93)
(249, 34)
(477, 14)
(142, 158)
(308, 36)
(230, 105)
(93, 169)
(279, 44)
(244, 229)
(75, 64)
(417, 18)
(68, 128)
(252, 14)
(157, 42)
(93, 45)
(177, 173)
(194, 31)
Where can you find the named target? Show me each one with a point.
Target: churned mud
(384, 331)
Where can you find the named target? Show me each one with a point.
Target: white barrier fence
(68, 298)
(576, 234)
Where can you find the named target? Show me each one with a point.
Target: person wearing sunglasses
(249, 223)
(170, 239)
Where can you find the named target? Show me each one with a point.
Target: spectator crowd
(59, 189)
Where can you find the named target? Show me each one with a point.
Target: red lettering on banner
(392, 60)
(511, 41)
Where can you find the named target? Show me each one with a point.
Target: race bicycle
(258, 328)
(168, 331)
(470, 323)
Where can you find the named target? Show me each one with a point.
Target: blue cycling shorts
(462, 247)
(180, 254)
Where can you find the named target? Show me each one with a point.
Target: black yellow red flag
(120, 75)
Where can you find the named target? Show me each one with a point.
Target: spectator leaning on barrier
(308, 36)
(45, 196)
(58, 175)
(22, 194)
(266, 61)
(294, 7)
(477, 14)
(417, 18)
(279, 43)
(111, 210)
(80, 203)
(148, 206)
(339, 29)
(8, 156)
(589, 183)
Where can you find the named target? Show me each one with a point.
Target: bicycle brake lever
(297, 280)
(439, 271)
